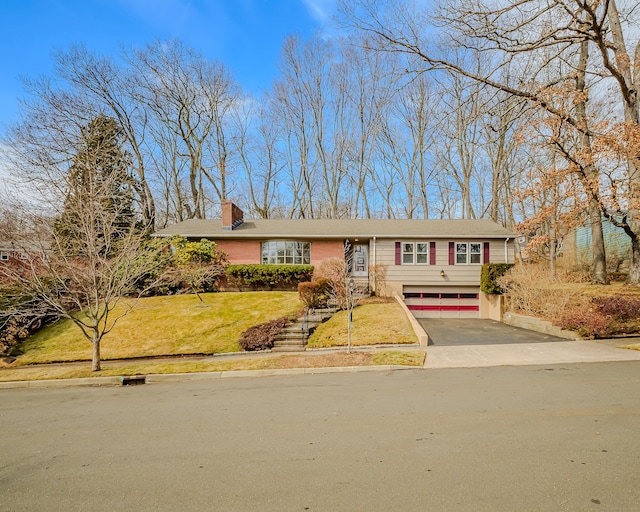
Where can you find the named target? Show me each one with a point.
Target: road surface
(555, 437)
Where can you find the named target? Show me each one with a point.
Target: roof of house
(339, 229)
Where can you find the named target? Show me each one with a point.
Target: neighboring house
(577, 247)
(434, 264)
(9, 250)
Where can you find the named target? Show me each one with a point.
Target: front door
(360, 262)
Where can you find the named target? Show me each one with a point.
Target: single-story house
(433, 264)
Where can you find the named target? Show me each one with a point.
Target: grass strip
(333, 359)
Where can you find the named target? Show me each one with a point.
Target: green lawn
(373, 324)
(166, 326)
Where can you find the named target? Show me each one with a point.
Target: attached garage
(443, 302)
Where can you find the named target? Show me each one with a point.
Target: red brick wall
(323, 249)
(241, 252)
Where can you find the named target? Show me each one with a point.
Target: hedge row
(269, 276)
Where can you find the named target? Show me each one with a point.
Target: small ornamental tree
(195, 265)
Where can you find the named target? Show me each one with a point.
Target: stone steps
(293, 338)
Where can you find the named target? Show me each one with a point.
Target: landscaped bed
(182, 325)
(571, 303)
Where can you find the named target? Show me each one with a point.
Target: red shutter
(452, 254)
(432, 253)
(398, 254)
(486, 253)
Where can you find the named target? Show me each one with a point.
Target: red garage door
(443, 303)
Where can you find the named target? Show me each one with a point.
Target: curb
(62, 383)
(196, 376)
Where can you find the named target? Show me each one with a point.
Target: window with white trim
(4, 255)
(468, 252)
(286, 252)
(415, 253)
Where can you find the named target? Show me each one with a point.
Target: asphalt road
(498, 439)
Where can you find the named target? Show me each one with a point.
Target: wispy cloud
(320, 10)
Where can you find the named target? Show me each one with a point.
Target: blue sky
(246, 35)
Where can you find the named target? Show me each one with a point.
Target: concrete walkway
(520, 354)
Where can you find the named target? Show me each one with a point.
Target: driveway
(469, 343)
(446, 332)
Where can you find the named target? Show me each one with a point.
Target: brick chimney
(232, 216)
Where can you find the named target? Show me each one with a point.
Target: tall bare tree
(191, 98)
(83, 266)
(549, 31)
(111, 87)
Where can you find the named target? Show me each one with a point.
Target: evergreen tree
(99, 197)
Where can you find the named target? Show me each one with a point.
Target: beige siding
(425, 274)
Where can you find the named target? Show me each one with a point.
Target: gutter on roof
(394, 236)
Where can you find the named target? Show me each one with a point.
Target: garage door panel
(431, 302)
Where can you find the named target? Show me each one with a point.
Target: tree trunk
(95, 359)
(599, 270)
(634, 268)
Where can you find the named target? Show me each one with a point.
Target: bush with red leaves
(315, 294)
(589, 324)
(620, 307)
(261, 337)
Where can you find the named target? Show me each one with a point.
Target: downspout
(506, 250)
(374, 262)
(374, 250)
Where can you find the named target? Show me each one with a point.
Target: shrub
(262, 337)
(331, 268)
(489, 276)
(335, 271)
(184, 267)
(379, 274)
(619, 307)
(269, 276)
(20, 316)
(589, 324)
(315, 294)
(531, 291)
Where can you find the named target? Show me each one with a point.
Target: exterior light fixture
(442, 274)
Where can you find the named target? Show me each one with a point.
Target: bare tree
(261, 156)
(190, 99)
(549, 32)
(93, 258)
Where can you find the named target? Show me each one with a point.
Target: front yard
(181, 325)
(168, 325)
